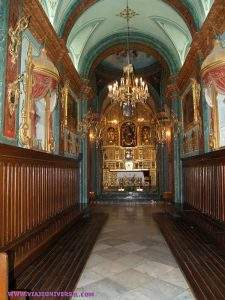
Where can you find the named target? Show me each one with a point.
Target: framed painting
(190, 105)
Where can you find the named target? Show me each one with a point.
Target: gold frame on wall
(67, 96)
(193, 89)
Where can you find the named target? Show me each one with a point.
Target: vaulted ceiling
(90, 27)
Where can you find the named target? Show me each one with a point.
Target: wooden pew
(39, 200)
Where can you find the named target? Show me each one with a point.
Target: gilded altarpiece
(129, 150)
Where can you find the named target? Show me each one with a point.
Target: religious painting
(188, 109)
(190, 105)
(145, 135)
(39, 103)
(128, 135)
(72, 113)
(111, 136)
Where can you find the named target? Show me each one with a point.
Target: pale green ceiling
(155, 19)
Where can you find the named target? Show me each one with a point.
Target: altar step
(127, 197)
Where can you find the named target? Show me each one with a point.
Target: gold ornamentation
(127, 13)
(64, 92)
(14, 94)
(191, 105)
(25, 134)
(15, 37)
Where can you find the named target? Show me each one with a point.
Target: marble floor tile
(131, 259)
(109, 268)
(165, 289)
(94, 260)
(114, 242)
(130, 247)
(100, 246)
(130, 278)
(187, 295)
(175, 277)
(153, 268)
(136, 294)
(111, 253)
(105, 289)
(88, 277)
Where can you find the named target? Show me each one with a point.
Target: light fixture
(92, 125)
(130, 90)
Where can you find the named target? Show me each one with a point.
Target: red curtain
(42, 84)
(216, 77)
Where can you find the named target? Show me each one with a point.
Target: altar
(131, 178)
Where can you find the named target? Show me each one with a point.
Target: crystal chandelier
(130, 90)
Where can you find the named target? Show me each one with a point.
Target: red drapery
(42, 84)
(216, 78)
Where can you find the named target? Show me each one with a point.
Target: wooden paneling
(204, 184)
(39, 194)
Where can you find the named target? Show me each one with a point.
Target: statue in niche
(128, 135)
(145, 135)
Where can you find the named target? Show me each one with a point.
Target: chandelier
(130, 90)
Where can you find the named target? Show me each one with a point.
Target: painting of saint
(188, 109)
(145, 135)
(111, 135)
(128, 135)
(72, 113)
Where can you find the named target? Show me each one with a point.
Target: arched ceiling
(167, 25)
(155, 20)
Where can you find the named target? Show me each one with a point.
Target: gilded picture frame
(190, 105)
(69, 107)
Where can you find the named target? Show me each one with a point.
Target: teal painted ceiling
(156, 19)
(139, 59)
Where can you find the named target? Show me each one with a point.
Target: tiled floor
(131, 259)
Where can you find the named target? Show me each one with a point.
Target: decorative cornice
(80, 8)
(202, 43)
(56, 48)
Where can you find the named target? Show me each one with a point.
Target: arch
(170, 57)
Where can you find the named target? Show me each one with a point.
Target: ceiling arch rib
(76, 44)
(87, 60)
(177, 35)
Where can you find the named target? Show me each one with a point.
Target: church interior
(112, 149)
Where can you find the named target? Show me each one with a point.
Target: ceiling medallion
(130, 90)
(127, 13)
